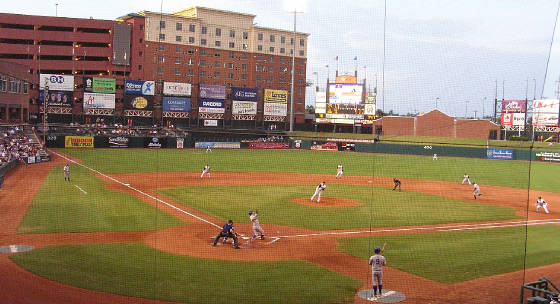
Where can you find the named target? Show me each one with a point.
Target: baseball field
(137, 226)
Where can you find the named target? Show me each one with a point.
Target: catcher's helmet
(377, 250)
(250, 212)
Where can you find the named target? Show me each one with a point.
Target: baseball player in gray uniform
(205, 171)
(476, 190)
(339, 171)
(322, 186)
(67, 173)
(377, 262)
(256, 226)
(541, 203)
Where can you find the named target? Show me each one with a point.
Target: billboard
(78, 141)
(210, 123)
(345, 93)
(545, 112)
(513, 119)
(514, 106)
(132, 102)
(369, 109)
(57, 98)
(211, 106)
(155, 142)
(99, 101)
(244, 94)
(275, 109)
(243, 107)
(100, 85)
(320, 102)
(347, 111)
(548, 156)
(275, 96)
(176, 104)
(56, 82)
(176, 89)
(122, 33)
(118, 142)
(268, 145)
(212, 91)
(139, 87)
(499, 153)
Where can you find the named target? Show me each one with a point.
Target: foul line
(80, 189)
(139, 191)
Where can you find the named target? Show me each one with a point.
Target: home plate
(389, 296)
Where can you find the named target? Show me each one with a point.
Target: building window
(217, 64)
(259, 78)
(179, 26)
(282, 50)
(162, 24)
(190, 51)
(271, 59)
(245, 46)
(259, 57)
(217, 54)
(301, 62)
(260, 36)
(244, 56)
(271, 49)
(300, 72)
(190, 61)
(230, 66)
(300, 81)
(177, 71)
(284, 70)
(245, 35)
(218, 31)
(243, 76)
(216, 74)
(231, 55)
(3, 83)
(25, 87)
(161, 37)
(191, 39)
(271, 79)
(259, 68)
(192, 28)
(160, 70)
(177, 60)
(140, 54)
(272, 38)
(291, 51)
(270, 69)
(203, 52)
(300, 101)
(302, 42)
(202, 41)
(140, 67)
(217, 43)
(282, 60)
(202, 73)
(301, 53)
(259, 47)
(190, 73)
(161, 47)
(230, 76)
(178, 49)
(232, 33)
(282, 39)
(178, 38)
(231, 45)
(244, 67)
(203, 30)
(202, 63)
(141, 27)
(161, 59)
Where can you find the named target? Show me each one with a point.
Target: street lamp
(293, 7)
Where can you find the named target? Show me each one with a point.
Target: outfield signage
(545, 112)
(217, 145)
(275, 109)
(139, 87)
(210, 123)
(56, 82)
(100, 85)
(99, 101)
(57, 98)
(514, 106)
(155, 142)
(244, 94)
(320, 102)
(243, 107)
(118, 142)
(132, 102)
(78, 142)
(499, 153)
(548, 156)
(176, 104)
(513, 119)
(211, 106)
(269, 145)
(212, 91)
(177, 89)
(275, 96)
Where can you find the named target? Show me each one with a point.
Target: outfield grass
(134, 269)
(61, 207)
(492, 172)
(380, 207)
(450, 257)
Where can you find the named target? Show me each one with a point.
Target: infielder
(208, 149)
(339, 171)
(377, 262)
(466, 179)
(476, 190)
(541, 203)
(397, 184)
(256, 226)
(67, 173)
(205, 171)
(322, 186)
(227, 231)
(435, 156)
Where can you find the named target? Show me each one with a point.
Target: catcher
(227, 232)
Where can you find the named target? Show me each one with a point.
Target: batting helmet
(377, 250)
(250, 212)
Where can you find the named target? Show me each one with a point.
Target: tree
(309, 109)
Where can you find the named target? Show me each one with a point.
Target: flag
(336, 58)
(355, 57)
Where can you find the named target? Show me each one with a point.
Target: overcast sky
(445, 50)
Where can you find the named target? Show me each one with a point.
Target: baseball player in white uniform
(377, 262)
(339, 171)
(208, 149)
(476, 190)
(67, 173)
(435, 156)
(322, 186)
(541, 203)
(256, 226)
(466, 179)
(205, 171)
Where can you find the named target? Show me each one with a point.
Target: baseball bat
(384, 245)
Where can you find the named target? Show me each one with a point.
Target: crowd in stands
(15, 144)
(100, 128)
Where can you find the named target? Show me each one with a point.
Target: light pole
(293, 74)
(317, 83)
(483, 102)
(535, 89)
(466, 107)
(437, 98)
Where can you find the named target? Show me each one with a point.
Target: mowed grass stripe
(491, 172)
(451, 257)
(380, 207)
(60, 206)
(134, 269)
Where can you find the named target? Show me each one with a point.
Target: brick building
(15, 89)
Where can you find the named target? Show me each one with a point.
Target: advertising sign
(176, 89)
(320, 102)
(100, 85)
(275, 96)
(345, 93)
(56, 82)
(132, 102)
(545, 120)
(499, 153)
(139, 87)
(211, 106)
(118, 142)
(275, 109)
(180, 143)
(99, 101)
(324, 146)
(217, 145)
(244, 107)
(212, 91)
(244, 94)
(210, 123)
(176, 104)
(513, 119)
(269, 145)
(78, 142)
(369, 109)
(155, 142)
(514, 106)
(57, 98)
(548, 156)
(545, 112)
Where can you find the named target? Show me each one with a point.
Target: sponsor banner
(346, 79)
(177, 89)
(548, 156)
(56, 82)
(345, 93)
(275, 109)
(118, 142)
(30, 160)
(346, 146)
(369, 109)
(546, 106)
(217, 145)
(243, 107)
(513, 119)
(499, 153)
(514, 106)
(99, 101)
(132, 102)
(210, 123)
(176, 104)
(269, 145)
(57, 98)
(244, 94)
(324, 146)
(180, 143)
(139, 87)
(369, 141)
(545, 119)
(275, 96)
(100, 85)
(212, 91)
(78, 141)
(211, 106)
(371, 99)
(320, 102)
(155, 142)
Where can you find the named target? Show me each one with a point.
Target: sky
(419, 53)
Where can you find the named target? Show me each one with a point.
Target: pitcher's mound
(327, 202)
